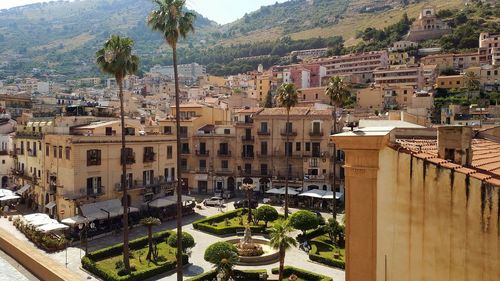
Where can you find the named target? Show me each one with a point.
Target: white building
(189, 71)
(6, 148)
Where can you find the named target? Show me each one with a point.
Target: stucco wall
(434, 223)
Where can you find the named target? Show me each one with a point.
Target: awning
(35, 216)
(161, 203)
(52, 227)
(75, 220)
(50, 205)
(41, 221)
(314, 193)
(9, 197)
(329, 195)
(6, 192)
(273, 191)
(184, 198)
(104, 209)
(23, 189)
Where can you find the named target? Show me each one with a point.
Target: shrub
(266, 213)
(223, 255)
(315, 256)
(304, 220)
(209, 224)
(303, 274)
(187, 241)
(239, 275)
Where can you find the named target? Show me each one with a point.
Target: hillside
(62, 37)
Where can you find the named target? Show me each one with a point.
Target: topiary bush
(304, 220)
(303, 274)
(266, 213)
(187, 241)
(315, 256)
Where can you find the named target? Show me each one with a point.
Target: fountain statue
(247, 247)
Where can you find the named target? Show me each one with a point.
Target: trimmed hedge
(311, 234)
(89, 260)
(239, 275)
(205, 224)
(303, 274)
(314, 256)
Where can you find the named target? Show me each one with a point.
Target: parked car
(213, 201)
(244, 204)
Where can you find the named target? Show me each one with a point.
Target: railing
(247, 138)
(185, 152)
(129, 159)
(290, 133)
(202, 170)
(264, 133)
(314, 177)
(247, 155)
(226, 153)
(203, 153)
(149, 157)
(92, 193)
(4, 152)
(224, 171)
(316, 133)
(243, 123)
(255, 173)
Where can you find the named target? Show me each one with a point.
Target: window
(147, 177)
(223, 148)
(316, 149)
(316, 128)
(109, 131)
(224, 164)
(184, 148)
(289, 127)
(68, 152)
(227, 131)
(184, 132)
(263, 169)
(93, 157)
(316, 96)
(263, 127)
(263, 148)
(288, 148)
(47, 150)
(184, 164)
(127, 156)
(308, 146)
(54, 151)
(149, 154)
(22, 147)
(298, 146)
(167, 130)
(248, 169)
(94, 186)
(60, 152)
(203, 165)
(130, 131)
(169, 152)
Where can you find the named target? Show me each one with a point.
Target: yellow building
(385, 97)
(70, 162)
(422, 204)
(401, 58)
(450, 82)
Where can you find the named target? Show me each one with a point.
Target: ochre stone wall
(433, 223)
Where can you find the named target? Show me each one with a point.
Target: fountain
(246, 247)
(254, 251)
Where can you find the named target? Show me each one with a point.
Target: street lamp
(84, 227)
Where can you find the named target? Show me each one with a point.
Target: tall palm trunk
(150, 242)
(126, 260)
(334, 180)
(179, 175)
(249, 208)
(287, 156)
(282, 263)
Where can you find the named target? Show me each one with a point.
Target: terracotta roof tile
(450, 165)
(494, 181)
(436, 160)
(480, 176)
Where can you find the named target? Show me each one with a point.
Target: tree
(337, 91)
(268, 100)
(472, 82)
(116, 58)
(172, 21)
(287, 97)
(304, 220)
(149, 223)
(282, 241)
(223, 256)
(187, 241)
(266, 213)
(335, 231)
(248, 188)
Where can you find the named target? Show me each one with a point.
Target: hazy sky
(221, 11)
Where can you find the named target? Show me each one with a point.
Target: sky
(221, 11)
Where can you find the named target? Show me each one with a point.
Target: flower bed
(229, 223)
(102, 262)
(302, 274)
(324, 253)
(245, 275)
(46, 241)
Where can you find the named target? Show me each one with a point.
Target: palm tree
(172, 21)
(287, 97)
(149, 223)
(472, 83)
(282, 241)
(116, 58)
(338, 91)
(248, 188)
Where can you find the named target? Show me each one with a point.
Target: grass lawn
(138, 258)
(237, 222)
(327, 251)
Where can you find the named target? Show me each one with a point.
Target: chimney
(455, 144)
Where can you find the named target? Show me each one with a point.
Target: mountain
(62, 37)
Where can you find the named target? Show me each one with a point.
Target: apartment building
(384, 97)
(489, 48)
(313, 95)
(450, 82)
(358, 67)
(404, 75)
(7, 127)
(68, 162)
(303, 76)
(455, 61)
(488, 76)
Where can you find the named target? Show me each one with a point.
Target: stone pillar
(361, 167)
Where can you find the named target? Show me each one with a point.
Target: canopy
(184, 198)
(6, 192)
(281, 191)
(23, 189)
(50, 205)
(329, 195)
(314, 193)
(75, 220)
(273, 191)
(41, 221)
(9, 197)
(160, 203)
(52, 227)
(35, 216)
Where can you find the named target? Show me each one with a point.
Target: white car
(213, 201)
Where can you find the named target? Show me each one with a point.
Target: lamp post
(84, 228)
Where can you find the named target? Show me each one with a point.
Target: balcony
(264, 133)
(248, 122)
(224, 153)
(203, 153)
(290, 133)
(95, 191)
(185, 152)
(247, 138)
(316, 133)
(31, 153)
(129, 158)
(202, 170)
(314, 177)
(224, 171)
(263, 155)
(149, 157)
(247, 155)
(4, 152)
(254, 173)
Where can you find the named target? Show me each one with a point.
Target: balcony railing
(185, 152)
(264, 133)
(316, 133)
(204, 153)
(290, 133)
(247, 138)
(224, 153)
(224, 171)
(4, 152)
(93, 193)
(202, 170)
(314, 177)
(247, 155)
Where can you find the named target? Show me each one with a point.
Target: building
(427, 26)
(190, 71)
(489, 48)
(69, 162)
(400, 75)
(401, 58)
(311, 53)
(473, 115)
(303, 76)
(7, 127)
(313, 95)
(450, 82)
(383, 97)
(456, 61)
(402, 46)
(358, 67)
(15, 105)
(488, 76)
(422, 204)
